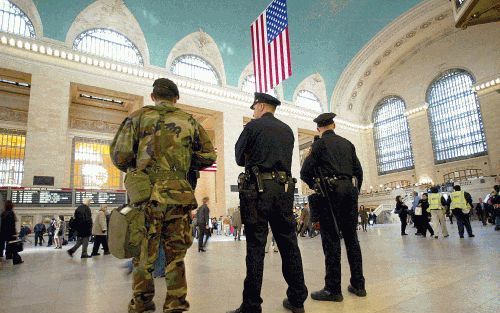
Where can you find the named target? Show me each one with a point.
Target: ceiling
(325, 34)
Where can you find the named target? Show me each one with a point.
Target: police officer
(163, 142)
(333, 158)
(460, 205)
(265, 149)
(437, 205)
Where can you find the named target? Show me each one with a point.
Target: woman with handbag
(58, 233)
(8, 234)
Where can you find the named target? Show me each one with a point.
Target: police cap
(165, 88)
(324, 119)
(265, 98)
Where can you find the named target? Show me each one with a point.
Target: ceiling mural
(325, 34)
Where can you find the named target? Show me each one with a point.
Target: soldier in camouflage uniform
(165, 143)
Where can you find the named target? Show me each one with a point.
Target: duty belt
(273, 175)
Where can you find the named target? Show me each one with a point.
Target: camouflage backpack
(127, 231)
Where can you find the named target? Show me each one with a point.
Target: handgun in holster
(258, 178)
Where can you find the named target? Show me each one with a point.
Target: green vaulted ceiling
(325, 34)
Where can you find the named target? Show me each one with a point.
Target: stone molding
(12, 115)
(202, 45)
(92, 125)
(112, 14)
(385, 49)
(249, 71)
(315, 84)
(29, 8)
(45, 52)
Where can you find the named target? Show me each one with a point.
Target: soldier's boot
(136, 307)
(326, 295)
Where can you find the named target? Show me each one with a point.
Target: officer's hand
(206, 227)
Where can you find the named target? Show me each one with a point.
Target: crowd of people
(434, 206)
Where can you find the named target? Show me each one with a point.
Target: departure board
(3, 193)
(29, 197)
(101, 197)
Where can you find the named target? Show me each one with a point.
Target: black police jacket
(334, 155)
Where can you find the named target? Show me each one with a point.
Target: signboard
(33, 197)
(101, 197)
(3, 194)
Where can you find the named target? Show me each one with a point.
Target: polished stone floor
(409, 274)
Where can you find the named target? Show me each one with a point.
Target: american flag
(271, 47)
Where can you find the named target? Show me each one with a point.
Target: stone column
(47, 129)
(490, 110)
(367, 158)
(296, 159)
(421, 141)
(232, 124)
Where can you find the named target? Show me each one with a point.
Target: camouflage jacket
(164, 142)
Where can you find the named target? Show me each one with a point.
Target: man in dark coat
(8, 233)
(83, 225)
(202, 217)
(334, 159)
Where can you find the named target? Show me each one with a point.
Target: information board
(29, 197)
(3, 193)
(101, 197)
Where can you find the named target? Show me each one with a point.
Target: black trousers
(462, 220)
(344, 200)
(403, 218)
(202, 233)
(98, 240)
(2, 246)
(425, 226)
(38, 238)
(273, 206)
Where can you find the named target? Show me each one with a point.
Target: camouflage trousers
(171, 227)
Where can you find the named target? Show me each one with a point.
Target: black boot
(287, 305)
(325, 295)
(357, 292)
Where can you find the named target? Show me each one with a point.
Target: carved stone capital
(96, 126)
(7, 114)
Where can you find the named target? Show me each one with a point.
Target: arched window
(248, 85)
(196, 68)
(455, 117)
(392, 136)
(14, 20)
(308, 100)
(110, 44)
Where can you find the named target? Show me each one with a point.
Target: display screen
(101, 197)
(3, 193)
(27, 197)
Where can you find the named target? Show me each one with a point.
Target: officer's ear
(153, 97)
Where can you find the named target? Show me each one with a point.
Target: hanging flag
(271, 47)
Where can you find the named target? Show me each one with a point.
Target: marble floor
(409, 274)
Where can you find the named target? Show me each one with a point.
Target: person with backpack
(39, 230)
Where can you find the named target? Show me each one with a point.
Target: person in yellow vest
(460, 206)
(437, 204)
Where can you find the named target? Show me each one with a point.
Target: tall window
(92, 166)
(12, 143)
(392, 136)
(195, 67)
(108, 44)
(455, 117)
(248, 85)
(308, 100)
(14, 20)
